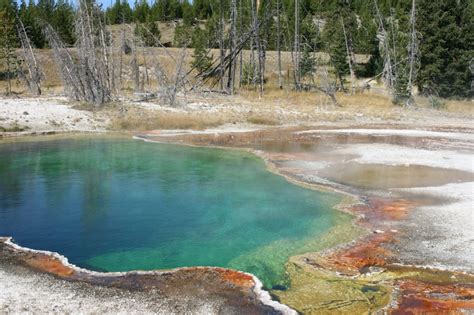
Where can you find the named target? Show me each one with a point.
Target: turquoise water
(117, 204)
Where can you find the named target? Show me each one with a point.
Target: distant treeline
(444, 31)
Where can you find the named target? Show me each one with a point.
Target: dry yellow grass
(137, 121)
(458, 106)
(368, 103)
(312, 99)
(315, 105)
(260, 119)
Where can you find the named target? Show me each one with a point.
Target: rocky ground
(43, 115)
(200, 112)
(25, 291)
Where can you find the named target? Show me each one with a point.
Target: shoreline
(348, 262)
(361, 247)
(60, 267)
(258, 288)
(340, 247)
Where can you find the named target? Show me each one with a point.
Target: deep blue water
(117, 204)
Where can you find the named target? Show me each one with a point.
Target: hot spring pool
(117, 204)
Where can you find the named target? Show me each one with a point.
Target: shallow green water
(118, 204)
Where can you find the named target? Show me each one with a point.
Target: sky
(107, 3)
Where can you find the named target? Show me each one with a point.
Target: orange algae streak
(425, 298)
(50, 265)
(397, 210)
(381, 210)
(365, 253)
(370, 251)
(237, 278)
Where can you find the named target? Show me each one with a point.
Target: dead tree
(134, 66)
(349, 56)
(179, 79)
(328, 87)
(253, 66)
(278, 43)
(241, 58)
(394, 52)
(92, 53)
(123, 47)
(296, 48)
(412, 52)
(112, 62)
(168, 87)
(218, 66)
(221, 65)
(258, 42)
(384, 39)
(68, 69)
(221, 40)
(86, 78)
(233, 43)
(33, 79)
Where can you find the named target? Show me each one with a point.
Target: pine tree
(28, 14)
(182, 35)
(202, 58)
(202, 9)
(166, 10)
(446, 47)
(310, 35)
(8, 42)
(148, 32)
(188, 13)
(335, 46)
(307, 63)
(63, 21)
(399, 38)
(141, 11)
(374, 66)
(338, 39)
(113, 14)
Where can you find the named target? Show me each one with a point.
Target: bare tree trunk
(221, 41)
(147, 79)
(233, 40)
(135, 67)
(258, 42)
(394, 47)
(388, 65)
(349, 57)
(112, 74)
(110, 52)
(296, 49)
(252, 44)
(327, 87)
(241, 61)
(105, 54)
(87, 77)
(178, 80)
(34, 72)
(280, 79)
(9, 82)
(412, 51)
(122, 48)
